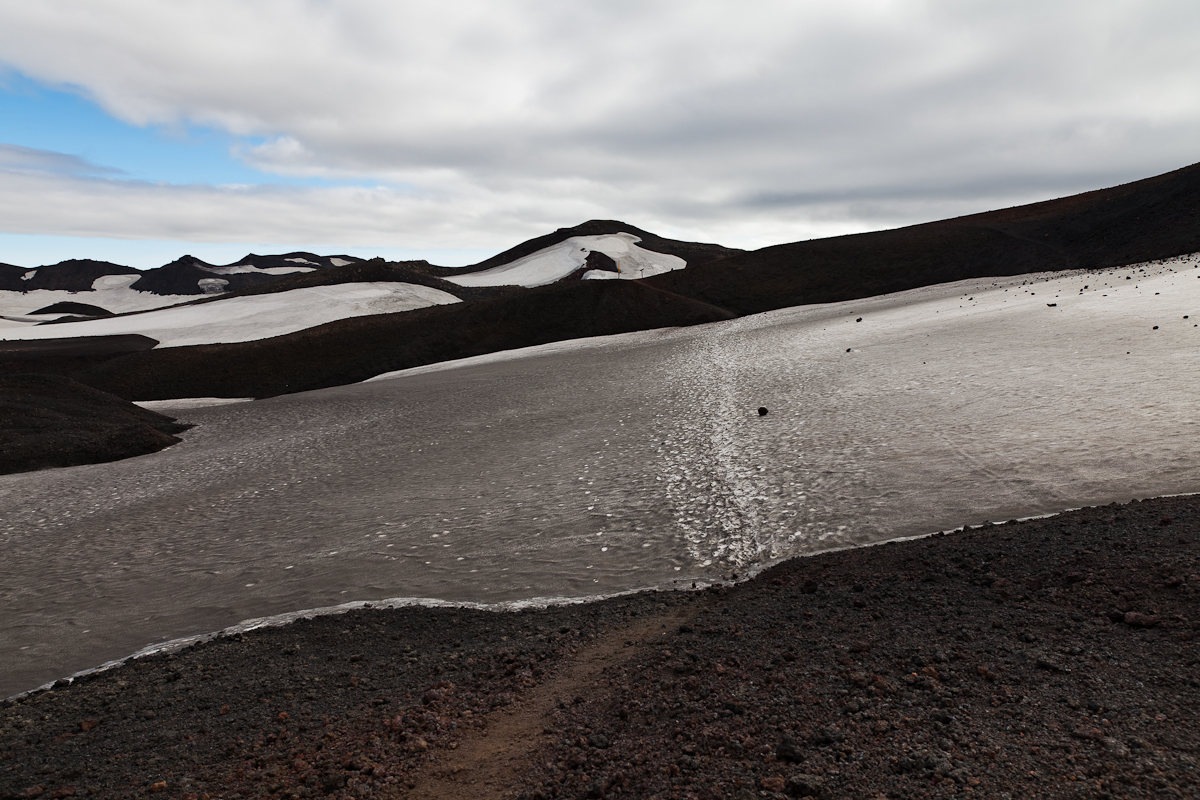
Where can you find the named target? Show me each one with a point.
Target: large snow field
(110, 292)
(243, 319)
(615, 463)
(560, 260)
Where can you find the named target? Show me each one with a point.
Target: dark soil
(1049, 658)
(52, 421)
(67, 355)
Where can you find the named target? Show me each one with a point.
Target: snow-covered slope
(560, 260)
(110, 292)
(243, 319)
(603, 465)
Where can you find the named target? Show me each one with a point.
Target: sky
(136, 131)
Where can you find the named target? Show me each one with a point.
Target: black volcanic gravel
(1049, 658)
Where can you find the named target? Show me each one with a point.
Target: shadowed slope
(1142, 221)
(352, 350)
(52, 421)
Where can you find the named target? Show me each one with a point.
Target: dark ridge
(68, 355)
(183, 276)
(1142, 221)
(314, 261)
(352, 350)
(74, 275)
(372, 271)
(52, 421)
(67, 307)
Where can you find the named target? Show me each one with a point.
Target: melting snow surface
(243, 319)
(560, 260)
(593, 467)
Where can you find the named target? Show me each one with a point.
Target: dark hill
(68, 307)
(298, 259)
(52, 421)
(67, 355)
(352, 350)
(183, 277)
(74, 275)
(1141, 221)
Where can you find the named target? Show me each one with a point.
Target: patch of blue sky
(62, 121)
(35, 250)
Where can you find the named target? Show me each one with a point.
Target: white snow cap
(557, 261)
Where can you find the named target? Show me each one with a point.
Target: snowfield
(615, 463)
(243, 319)
(556, 262)
(110, 292)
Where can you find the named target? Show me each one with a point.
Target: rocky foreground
(1049, 658)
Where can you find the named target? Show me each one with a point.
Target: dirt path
(487, 762)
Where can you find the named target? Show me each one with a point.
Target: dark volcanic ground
(1051, 658)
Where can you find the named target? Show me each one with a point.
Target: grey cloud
(775, 119)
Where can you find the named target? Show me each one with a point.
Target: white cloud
(754, 123)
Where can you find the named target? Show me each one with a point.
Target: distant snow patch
(243, 269)
(339, 262)
(244, 319)
(29, 275)
(557, 261)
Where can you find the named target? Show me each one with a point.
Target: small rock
(773, 783)
(598, 740)
(762, 411)
(804, 785)
(827, 736)
(788, 750)
(1136, 620)
(154, 788)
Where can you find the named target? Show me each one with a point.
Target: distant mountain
(691, 252)
(1141, 221)
(184, 276)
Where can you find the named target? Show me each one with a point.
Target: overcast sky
(137, 130)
